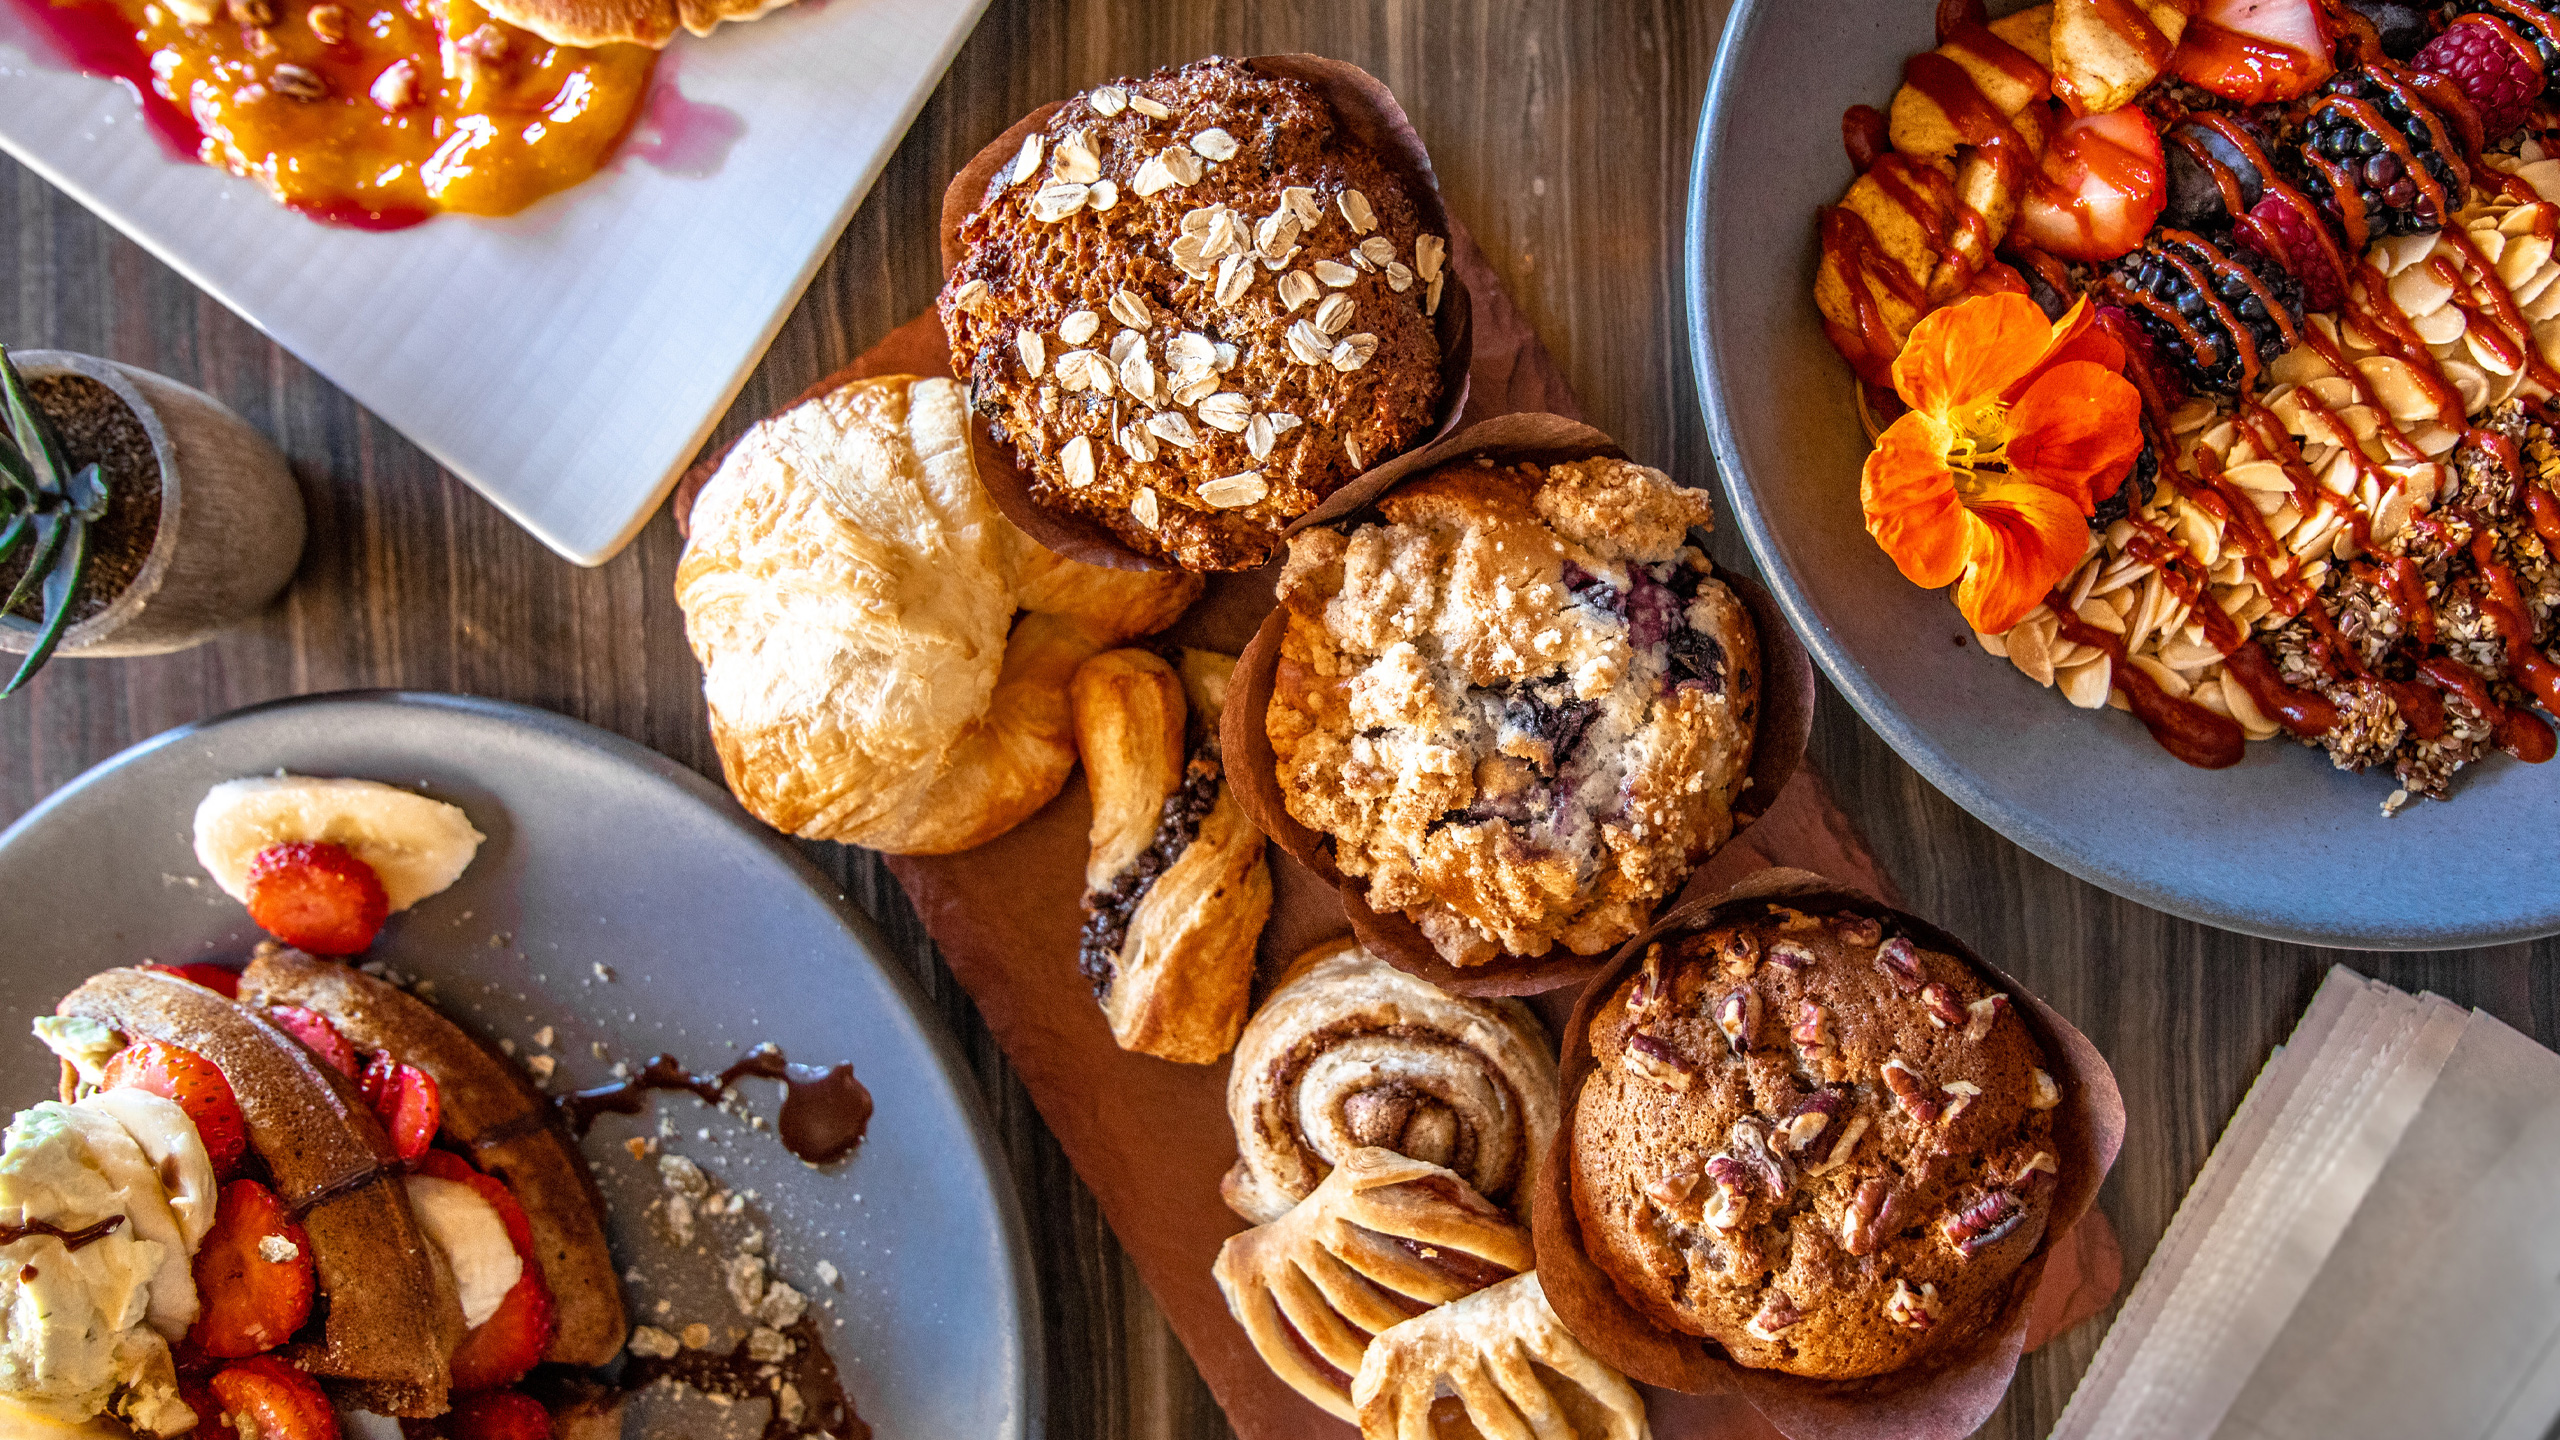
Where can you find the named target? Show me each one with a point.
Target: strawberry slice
(270, 1400)
(253, 1274)
(406, 1098)
(314, 1030)
(220, 979)
(316, 896)
(2256, 51)
(499, 1415)
(199, 1088)
(508, 1344)
(2102, 185)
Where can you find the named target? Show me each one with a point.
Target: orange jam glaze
(383, 114)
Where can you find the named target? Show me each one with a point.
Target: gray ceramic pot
(231, 522)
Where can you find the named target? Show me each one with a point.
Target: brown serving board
(1150, 1138)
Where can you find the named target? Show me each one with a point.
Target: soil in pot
(94, 423)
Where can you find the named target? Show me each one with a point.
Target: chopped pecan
(1738, 1016)
(1944, 1012)
(328, 23)
(1733, 1181)
(1792, 919)
(2043, 1093)
(1655, 1060)
(1812, 1115)
(2040, 1173)
(1858, 929)
(1900, 959)
(1674, 1186)
(1980, 1014)
(1915, 1309)
(1913, 1092)
(1777, 1312)
(1651, 985)
(1862, 1224)
(1965, 1093)
(258, 13)
(1788, 955)
(1812, 1027)
(1842, 1148)
(1984, 1223)
(1750, 1141)
(1739, 954)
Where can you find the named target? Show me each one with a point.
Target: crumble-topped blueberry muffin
(1518, 701)
(1196, 305)
(1812, 1142)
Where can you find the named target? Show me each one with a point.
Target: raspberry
(2302, 247)
(2496, 68)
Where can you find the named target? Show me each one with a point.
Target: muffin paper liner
(1944, 1395)
(1778, 741)
(1371, 116)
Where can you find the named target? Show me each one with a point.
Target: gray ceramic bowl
(2282, 845)
(715, 935)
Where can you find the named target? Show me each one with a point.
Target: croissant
(852, 595)
(1352, 1052)
(1383, 1237)
(1176, 890)
(1507, 1360)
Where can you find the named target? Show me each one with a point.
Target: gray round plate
(715, 935)
(2282, 845)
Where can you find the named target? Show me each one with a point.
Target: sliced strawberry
(316, 896)
(253, 1274)
(220, 979)
(196, 1084)
(406, 1098)
(508, 1344)
(314, 1030)
(270, 1400)
(499, 1415)
(2102, 185)
(2256, 51)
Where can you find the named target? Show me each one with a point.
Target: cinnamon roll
(1383, 1238)
(1352, 1052)
(1176, 889)
(1502, 1354)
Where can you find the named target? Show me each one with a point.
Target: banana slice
(474, 1241)
(417, 845)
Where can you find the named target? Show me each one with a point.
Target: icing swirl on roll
(1350, 1052)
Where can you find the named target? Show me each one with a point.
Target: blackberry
(2139, 483)
(2200, 155)
(2219, 316)
(2401, 28)
(2377, 160)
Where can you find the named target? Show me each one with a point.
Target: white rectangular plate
(567, 361)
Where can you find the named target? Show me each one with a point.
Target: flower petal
(2023, 538)
(1971, 351)
(2078, 429)
(1909, 496)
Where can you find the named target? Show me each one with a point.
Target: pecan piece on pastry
(1506, 1358)
(1351, 1052)
(1383, 1236)
(1176, 889)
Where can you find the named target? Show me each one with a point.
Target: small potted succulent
(137, 516)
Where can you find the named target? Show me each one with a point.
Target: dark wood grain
(1562, 132)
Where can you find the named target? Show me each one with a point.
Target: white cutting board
(567, 361)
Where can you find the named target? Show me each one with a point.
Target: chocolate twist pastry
(1383, 1239)
(1176, 890)
(1506, 1358)
(1352, 1052)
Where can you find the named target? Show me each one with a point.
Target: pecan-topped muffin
(1812, 1142)
(1196, 306)
(1518, 702)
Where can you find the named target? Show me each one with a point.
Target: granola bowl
(2280, 844)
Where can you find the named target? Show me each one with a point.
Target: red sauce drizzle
(2093, 152)
(1864, 134)
(2504, 608)
(2184, 728)
(2267, 63)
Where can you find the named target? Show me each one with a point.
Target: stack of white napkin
(2372, 1250)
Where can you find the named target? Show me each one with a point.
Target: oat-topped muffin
(1518, 702)
(1195, 306)
(1812, 1142)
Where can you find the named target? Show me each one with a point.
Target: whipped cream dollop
(86, 1330)
(416, 845)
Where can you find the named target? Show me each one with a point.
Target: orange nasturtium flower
(2017, 428)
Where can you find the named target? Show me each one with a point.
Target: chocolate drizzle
(71, 1239)
(1107, 912)
(825, 1112)
(808, 1369)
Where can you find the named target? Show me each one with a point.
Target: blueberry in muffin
(1811, 1141)
(1196, 304)
(1517, 701)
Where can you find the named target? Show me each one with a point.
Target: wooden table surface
(1562, 131)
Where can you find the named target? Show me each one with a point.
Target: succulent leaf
(36, 443)
(61, 583)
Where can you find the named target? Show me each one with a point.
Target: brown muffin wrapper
(1949, 1392)
(1777, 747)
(1372, 117)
